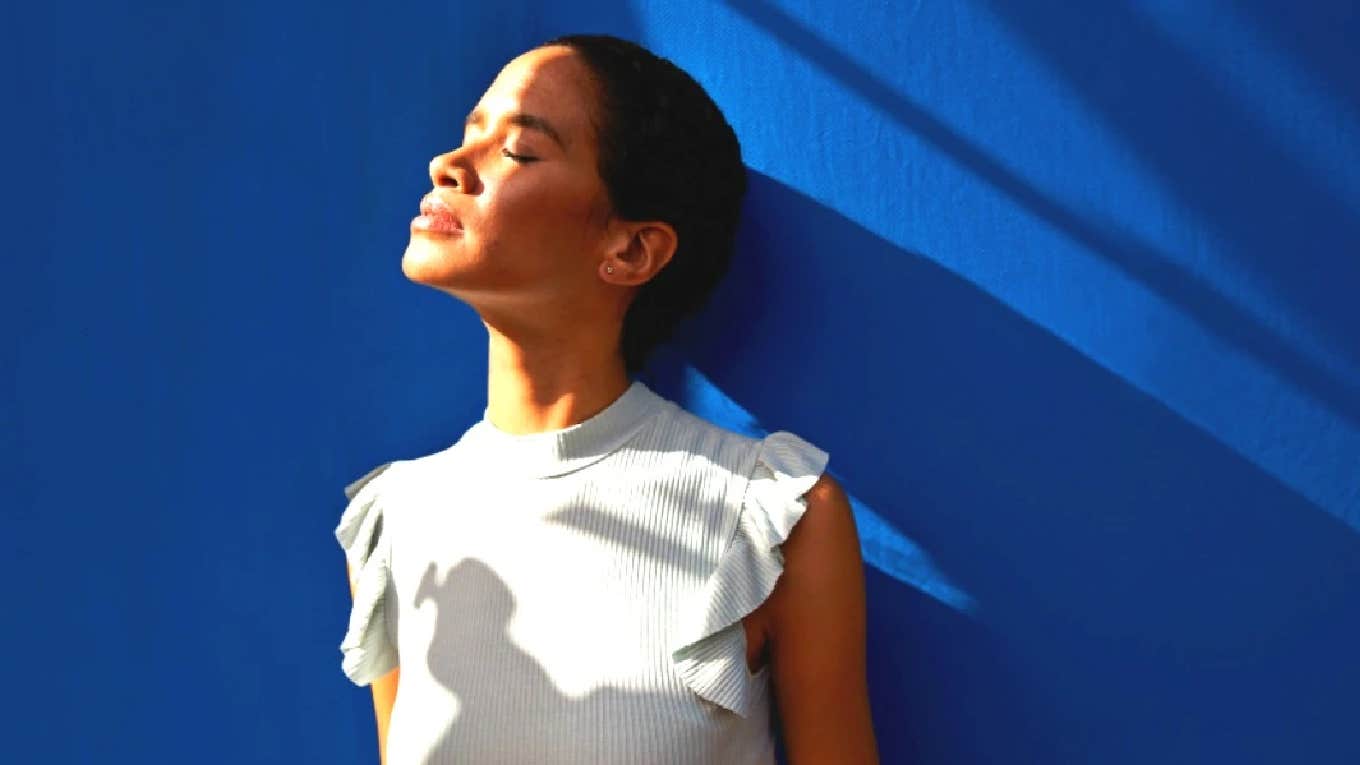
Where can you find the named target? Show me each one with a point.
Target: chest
(544, 635)
(586, 581)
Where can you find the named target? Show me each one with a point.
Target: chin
(424, 264)
(439, 269)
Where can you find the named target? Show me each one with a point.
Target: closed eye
(521, 158)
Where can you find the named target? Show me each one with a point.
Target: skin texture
(550, 270)
(816, 624)
(538, 242)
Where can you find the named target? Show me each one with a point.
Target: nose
(449, 170)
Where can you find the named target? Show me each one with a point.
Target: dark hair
(666, 153)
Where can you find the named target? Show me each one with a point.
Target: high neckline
(556, 452)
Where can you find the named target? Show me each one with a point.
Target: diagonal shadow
(1115, 550)
(1139, 260)
(478, 605)
(1211, 150)
(1319, 36)
(636, 535)
(901, 561)
(882, 546)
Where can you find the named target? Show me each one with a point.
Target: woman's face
(518, 214)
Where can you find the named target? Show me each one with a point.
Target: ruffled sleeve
(368, 652)
(711, 653)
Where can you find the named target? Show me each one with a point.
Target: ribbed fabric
(575, 596)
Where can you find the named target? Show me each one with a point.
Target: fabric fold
(368, 652)
(710, 653)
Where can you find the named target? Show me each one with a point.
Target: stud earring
(609, 269)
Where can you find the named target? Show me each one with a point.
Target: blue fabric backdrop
(1068, 292)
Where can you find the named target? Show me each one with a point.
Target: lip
(436, 217)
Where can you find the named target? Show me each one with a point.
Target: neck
(539, 381)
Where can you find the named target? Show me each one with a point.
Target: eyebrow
(520, 119)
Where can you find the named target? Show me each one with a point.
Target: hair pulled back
(666, 152)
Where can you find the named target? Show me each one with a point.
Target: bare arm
(818, 636)
(384, 692)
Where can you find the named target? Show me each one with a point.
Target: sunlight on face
(517, 213)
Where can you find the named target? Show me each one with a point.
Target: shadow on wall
(1319, 37)
(1205, 172)
(1143, 594)
(883, 546)
(1212, 152)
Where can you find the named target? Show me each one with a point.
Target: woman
(591, 574)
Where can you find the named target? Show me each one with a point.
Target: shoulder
(826, 497)
(818, 602)
(676, 429)
(825, 539)
(680, 427)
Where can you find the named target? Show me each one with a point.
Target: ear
(644, 248)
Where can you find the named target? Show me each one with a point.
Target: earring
(609, 269)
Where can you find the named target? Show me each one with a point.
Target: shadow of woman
(508, 709)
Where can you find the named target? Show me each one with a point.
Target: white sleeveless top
(575, 596)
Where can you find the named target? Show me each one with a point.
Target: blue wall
(1076, 292)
